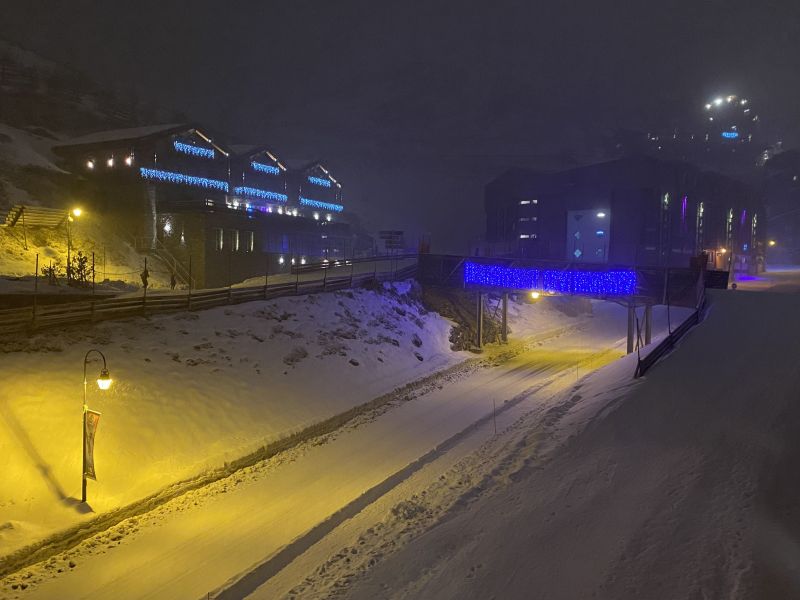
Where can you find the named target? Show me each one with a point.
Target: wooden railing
(88, 311)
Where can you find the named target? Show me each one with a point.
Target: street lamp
(75, 212)
(103, 382)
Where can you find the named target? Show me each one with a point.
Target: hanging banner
(90, 420)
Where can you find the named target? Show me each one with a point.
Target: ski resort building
(635, 211)
(225, 213)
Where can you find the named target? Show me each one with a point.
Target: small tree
(81, 270)
(52, 273)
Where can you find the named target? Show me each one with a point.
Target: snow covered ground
(681, 485)
(196, 542)
(192, 391)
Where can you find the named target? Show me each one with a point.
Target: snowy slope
(194, 390)
(21, 148)
(681, 485)
(199, 540)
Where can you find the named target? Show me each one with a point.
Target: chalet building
(634, 211)
(226, 213)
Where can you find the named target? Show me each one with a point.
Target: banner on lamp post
(90, 420)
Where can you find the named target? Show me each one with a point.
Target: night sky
(415, 105)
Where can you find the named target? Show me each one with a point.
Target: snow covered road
(196, 543)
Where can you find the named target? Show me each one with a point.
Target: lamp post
(76, 212)
(103, 382)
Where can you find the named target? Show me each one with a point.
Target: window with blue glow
(323, 205)
(319, 181)
(180, 178)
(269, 169)
(193, 150)
(258, 193)
(592, 283)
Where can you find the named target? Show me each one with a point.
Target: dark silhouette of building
(632, 211)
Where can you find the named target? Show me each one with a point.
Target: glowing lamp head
(535, 295)
(104, 381)
(717, 101)
(723, 250)
(601, 215)
(76, 212)
(129, 160)
(772, 242)
(90, 164)
(110, 162)
(328, 218)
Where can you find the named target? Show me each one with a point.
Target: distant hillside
(44, 97)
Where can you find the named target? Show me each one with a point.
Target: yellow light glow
(772, 242)
(723, 250)
(77, 212)
(104, 381)
(535, 295)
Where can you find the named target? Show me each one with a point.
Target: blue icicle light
(194, 150)
(269, 169)
(266, 194)
(593, 283)
(322, 205)
(171, 177)
(319, 181)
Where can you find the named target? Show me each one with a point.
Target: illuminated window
(234, 235)
(524, 202)
(524, 236)
(219, 240)
(249, 241)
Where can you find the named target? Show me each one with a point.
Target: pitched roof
(131, 135)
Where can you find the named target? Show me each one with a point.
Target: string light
(320, 181)
(266, 194)
(269, 169)
(594, 283)
(171, 177)
(322, 205)
(193, 150)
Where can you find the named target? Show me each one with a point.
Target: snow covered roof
(122, 135)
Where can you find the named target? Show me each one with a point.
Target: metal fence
(666, 345)
(321, 277)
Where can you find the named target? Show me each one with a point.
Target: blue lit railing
(193, 150)
(594, 283)
(258, 193)
(269, 169)
(320, 181)
(321, 205)
(180, 178)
